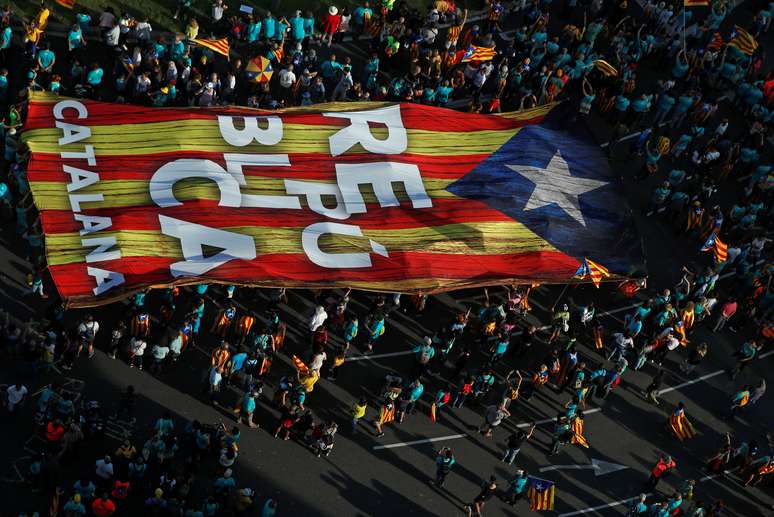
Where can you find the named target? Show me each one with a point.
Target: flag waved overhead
(378, 196)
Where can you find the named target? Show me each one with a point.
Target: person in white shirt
(16, 395)
(87, 332)
(143, 31)
(216, 376)
(622, 343)
(159, 354)
(318, 359)
(286, 81)
(218, 8)
(721, 129)
(136, 351)
(113, 35)
(104, 468)
(317, 318)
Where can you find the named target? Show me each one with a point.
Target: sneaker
(380, 435)
(91, 354)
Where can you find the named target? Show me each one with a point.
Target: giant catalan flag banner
(377, 196)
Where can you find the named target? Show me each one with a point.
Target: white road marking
(601, 506)
(417, 442)
(704, 377)
(457, 436)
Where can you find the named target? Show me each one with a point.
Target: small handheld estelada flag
(589, 269)
(300, 365)
(217, 45)
(577, 430)
(541, 494)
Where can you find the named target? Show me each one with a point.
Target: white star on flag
(555, 185)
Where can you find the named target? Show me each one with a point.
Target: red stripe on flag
(414, 116)
(303, 166)
(208, 213)
(72, 279)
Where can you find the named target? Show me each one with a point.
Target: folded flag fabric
(69, 4)
(743, 41)
(696, 3)
(541, 494)
(433, 410)
(606, 68)
(218, 45)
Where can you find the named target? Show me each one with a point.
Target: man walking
(515, 442)
(443, 464)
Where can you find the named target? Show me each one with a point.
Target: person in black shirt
(515, 442)
(488, 490)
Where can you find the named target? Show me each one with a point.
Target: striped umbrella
(259, 69)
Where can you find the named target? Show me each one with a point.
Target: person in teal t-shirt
(297, 30)
(269, 26)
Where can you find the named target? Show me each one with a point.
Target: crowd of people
(710, 166)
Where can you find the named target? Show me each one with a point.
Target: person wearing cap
(74, 507)
(103, 506)
(423, 354)
(331, 24)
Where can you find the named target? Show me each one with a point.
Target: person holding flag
(679, 424)
(741, 399)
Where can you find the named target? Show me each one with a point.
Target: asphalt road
(369, 476)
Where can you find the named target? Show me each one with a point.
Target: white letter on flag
(193, 236)
(358, 132)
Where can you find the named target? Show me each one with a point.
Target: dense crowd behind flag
(377, 196)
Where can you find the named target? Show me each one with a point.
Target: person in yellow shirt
(358, 411)
(32, 36)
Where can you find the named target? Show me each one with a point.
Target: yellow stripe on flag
(217, 45)
(489, 238)
(203, 135)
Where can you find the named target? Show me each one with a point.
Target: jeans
(459, 400)
(617, 352)
(722, 320)
(641, 359)
(510, 455)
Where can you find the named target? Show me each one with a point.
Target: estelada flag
(375, 196)
(719, 248)
(681, 426)
(743, 41)
(541, 494)
(433, 410)
(300, 365)
(474, 53)
(577, 430)
(592, 270)
(217, 45)
(69, 4)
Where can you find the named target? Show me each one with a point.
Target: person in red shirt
(331, 24)
(103, 506)
(662, 469)
(726, 312)
(54, 432)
